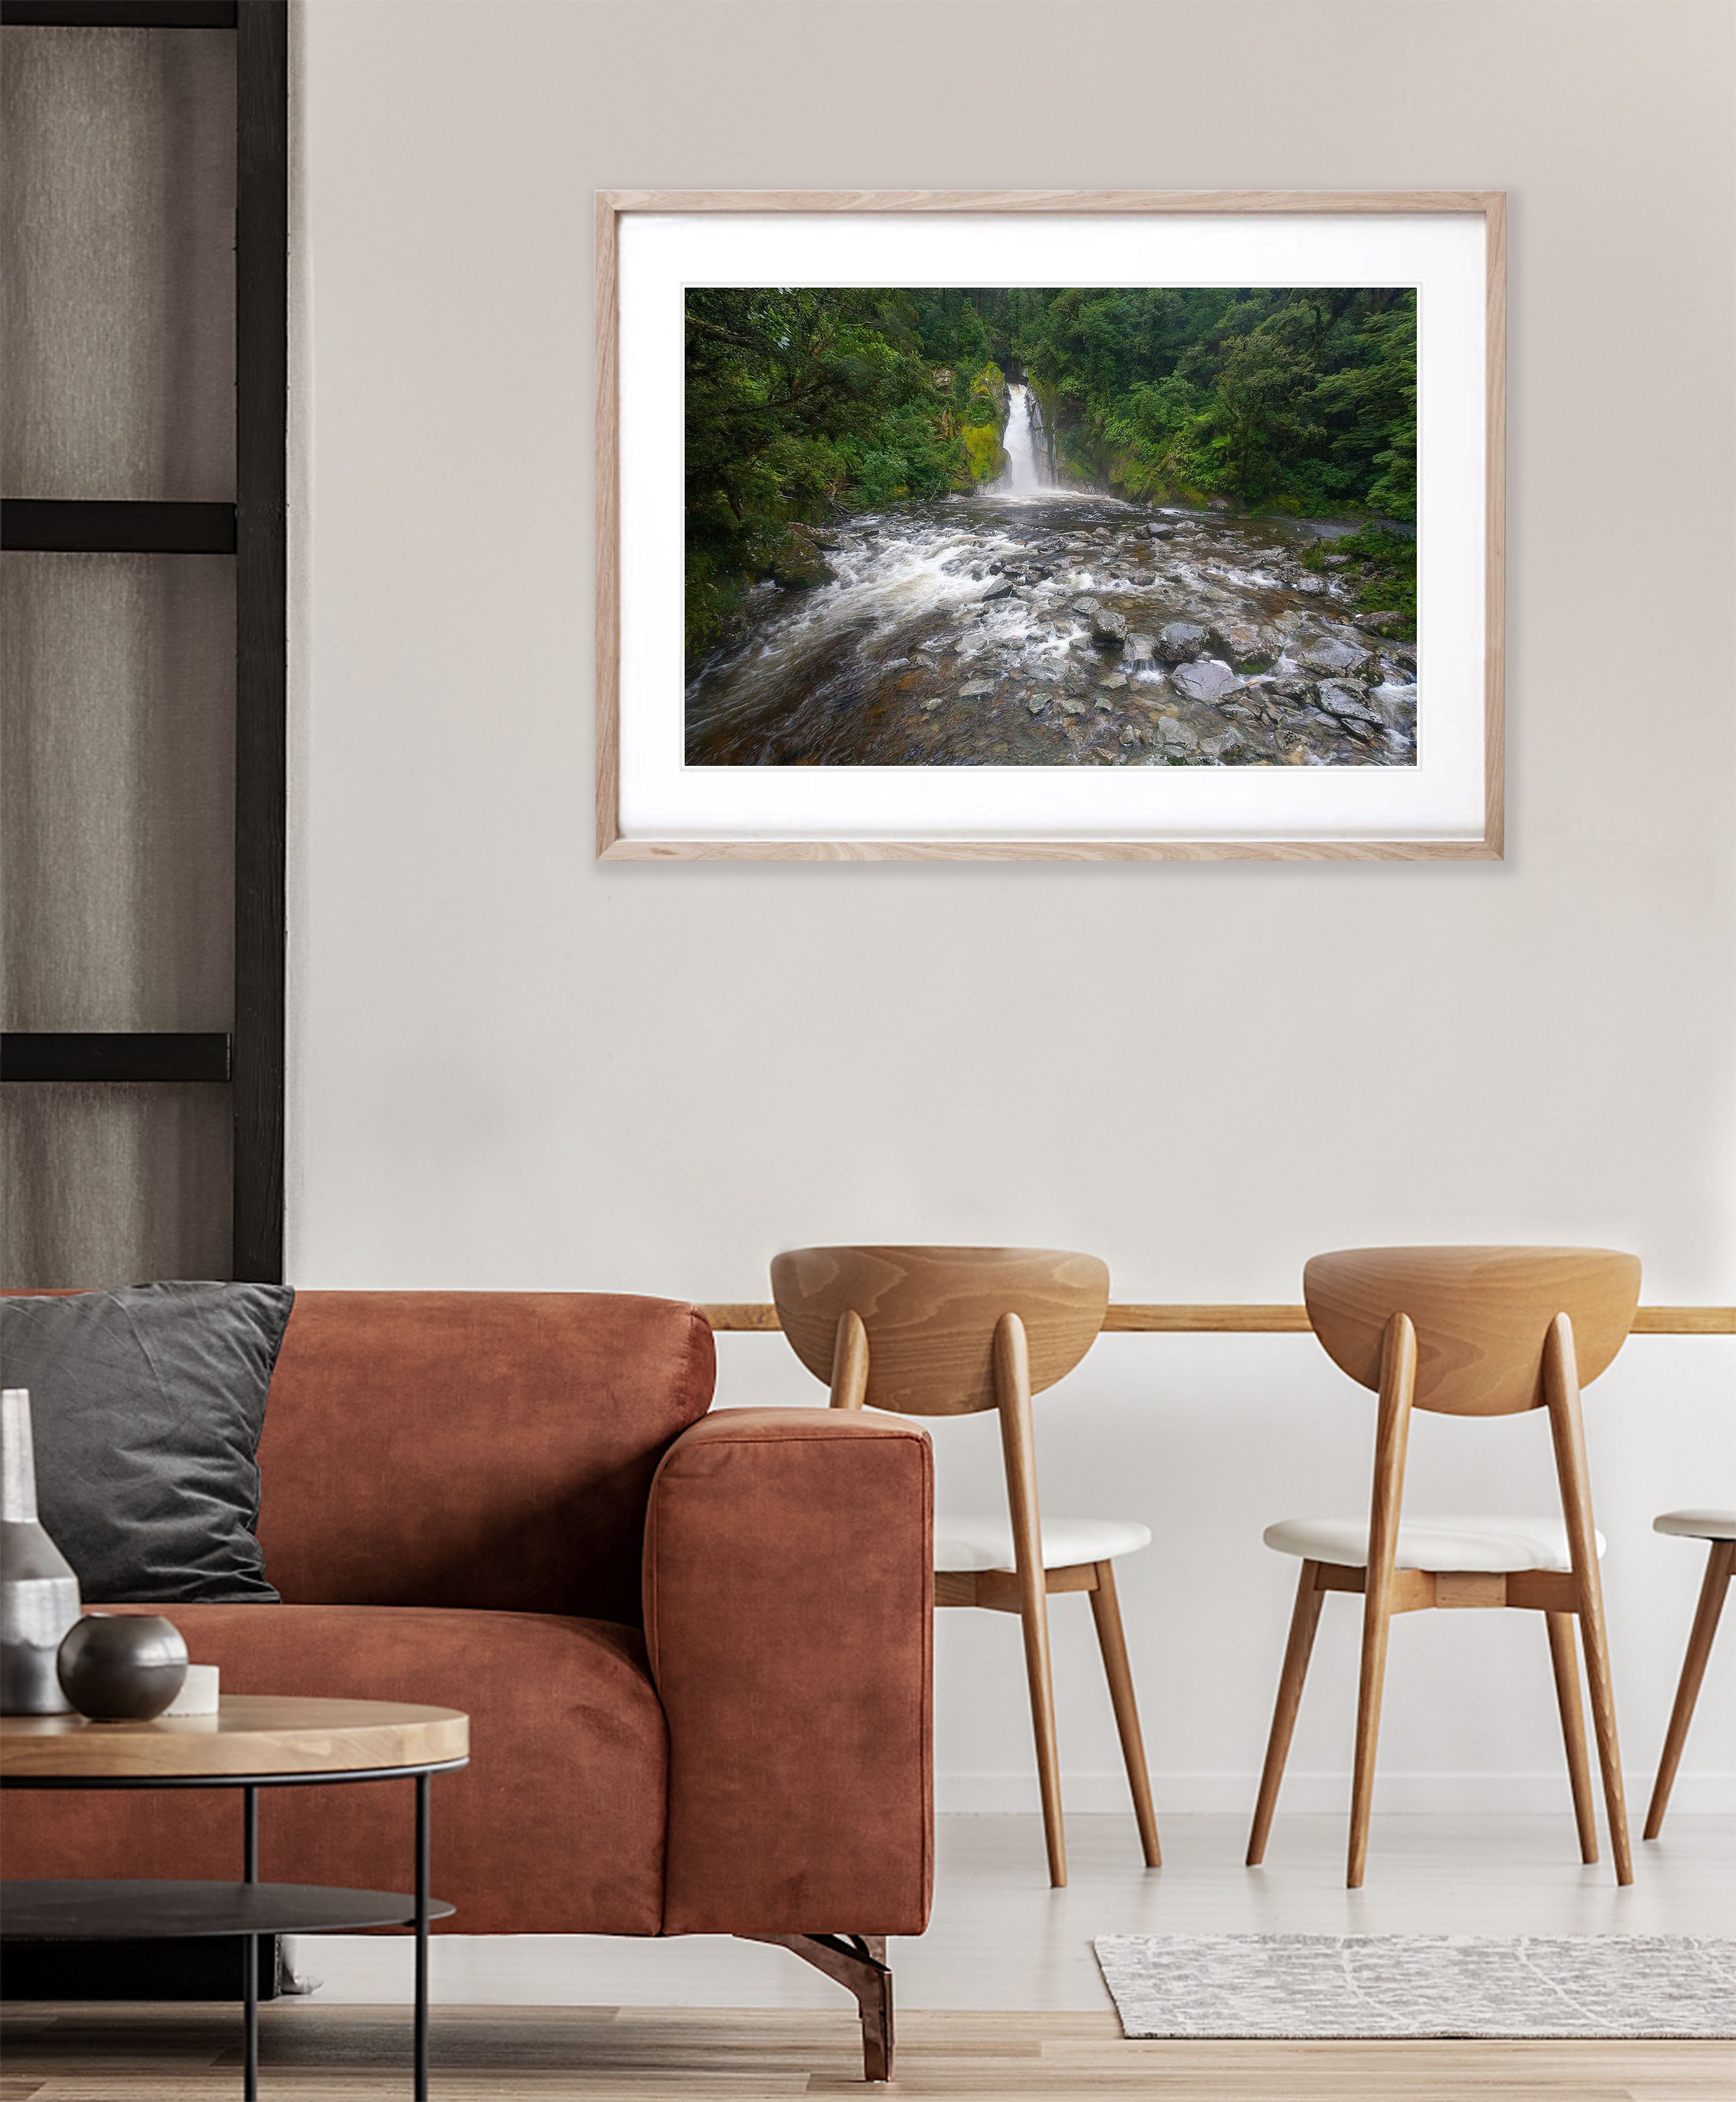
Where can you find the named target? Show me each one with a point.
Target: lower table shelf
(88, 1909)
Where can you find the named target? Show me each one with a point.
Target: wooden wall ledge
(1130, 1318)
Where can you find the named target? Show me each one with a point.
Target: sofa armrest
(789, 1607)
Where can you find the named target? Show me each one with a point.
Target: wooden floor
(1001, 1938)
(350, 2053)
(576, 2019)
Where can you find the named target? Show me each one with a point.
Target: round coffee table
(253, 1741)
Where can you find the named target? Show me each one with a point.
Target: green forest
(802, 405)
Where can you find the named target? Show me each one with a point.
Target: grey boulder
(1329, 654)
(1178, 642)
(1204, 679)
(801, 570)
(1348, 703)
(1246, 645)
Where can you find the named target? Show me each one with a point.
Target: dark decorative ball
(121, 1667)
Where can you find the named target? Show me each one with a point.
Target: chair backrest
(930, 1314)
(1481, 1316)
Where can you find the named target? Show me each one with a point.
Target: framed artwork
(1050, 525)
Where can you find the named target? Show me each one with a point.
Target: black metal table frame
(249, 1785)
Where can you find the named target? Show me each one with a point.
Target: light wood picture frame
(668, 238)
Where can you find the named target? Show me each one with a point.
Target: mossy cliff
(981, 419)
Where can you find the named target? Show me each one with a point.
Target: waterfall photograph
(1168, 526)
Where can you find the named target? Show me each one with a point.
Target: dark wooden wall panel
(262, 342)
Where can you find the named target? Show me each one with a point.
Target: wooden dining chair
(1465, 1332)
(951, 1332)
(1718, 1527)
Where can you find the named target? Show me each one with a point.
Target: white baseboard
(1441, 1794)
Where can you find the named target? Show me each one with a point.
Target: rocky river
(1033, 626)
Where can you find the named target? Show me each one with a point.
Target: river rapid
(1035, 626)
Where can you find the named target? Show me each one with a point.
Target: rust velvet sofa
(695, 1646)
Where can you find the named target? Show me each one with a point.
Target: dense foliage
(1382, 572)
(801, 402)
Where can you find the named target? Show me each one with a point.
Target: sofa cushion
(146, 1404)
(555, 1827)
(473, 1449)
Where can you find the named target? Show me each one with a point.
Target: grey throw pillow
(147, 1404)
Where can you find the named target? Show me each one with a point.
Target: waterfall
(1027, 456)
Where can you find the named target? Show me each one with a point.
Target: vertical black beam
(262, 234)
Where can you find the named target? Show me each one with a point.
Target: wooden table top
(251, 1733)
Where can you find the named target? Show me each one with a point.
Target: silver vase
(38, 1592)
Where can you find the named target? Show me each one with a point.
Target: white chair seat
(1490, 1544)
(986, 1543)
(1698, 1524)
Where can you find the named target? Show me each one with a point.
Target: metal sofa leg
(859, 1961)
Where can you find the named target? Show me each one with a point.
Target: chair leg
(1602, 1690)
(1019, 1454)
(1567, 1433)
(1719, 1565)
(1303, 1621)
(1033, 1615)
(1392, 1432)
(1376, 1620)
(1559, 1626)
(1106, 1609)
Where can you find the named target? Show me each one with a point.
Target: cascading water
(1027, 458)
(1034, 625)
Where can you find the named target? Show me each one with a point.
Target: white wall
(510, 1067)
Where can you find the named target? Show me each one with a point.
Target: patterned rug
(1300, 1985)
